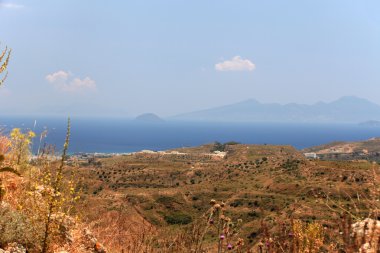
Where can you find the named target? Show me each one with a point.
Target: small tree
(21, 145)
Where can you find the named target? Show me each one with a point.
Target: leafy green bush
(167, 201)
(291, 164)
(218, 147)
(237, 202)
(178, 218)
(222, 147)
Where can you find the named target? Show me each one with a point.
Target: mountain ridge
(349, 109)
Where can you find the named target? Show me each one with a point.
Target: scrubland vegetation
(256, 199)
(283, 202)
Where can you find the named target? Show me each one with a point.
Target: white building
(311, 155)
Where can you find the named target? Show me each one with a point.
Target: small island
(149, 117)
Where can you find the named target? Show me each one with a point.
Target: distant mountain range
(348, 109)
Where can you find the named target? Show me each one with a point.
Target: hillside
(194, 199)
(367, 150)
(259, 184)
(345, 109)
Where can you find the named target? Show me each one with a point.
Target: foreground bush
(15, 227)
(37, 212)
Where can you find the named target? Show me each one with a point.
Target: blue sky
(123, 58)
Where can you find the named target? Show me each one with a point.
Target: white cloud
(58, 76)
(81, 84)
(235, 64)
(11, 6)
(64, 81)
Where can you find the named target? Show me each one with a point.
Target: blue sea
(123, 136)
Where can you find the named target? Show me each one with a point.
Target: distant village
(82, 157)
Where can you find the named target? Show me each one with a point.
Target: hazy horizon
(72, 110)
(166, 57)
